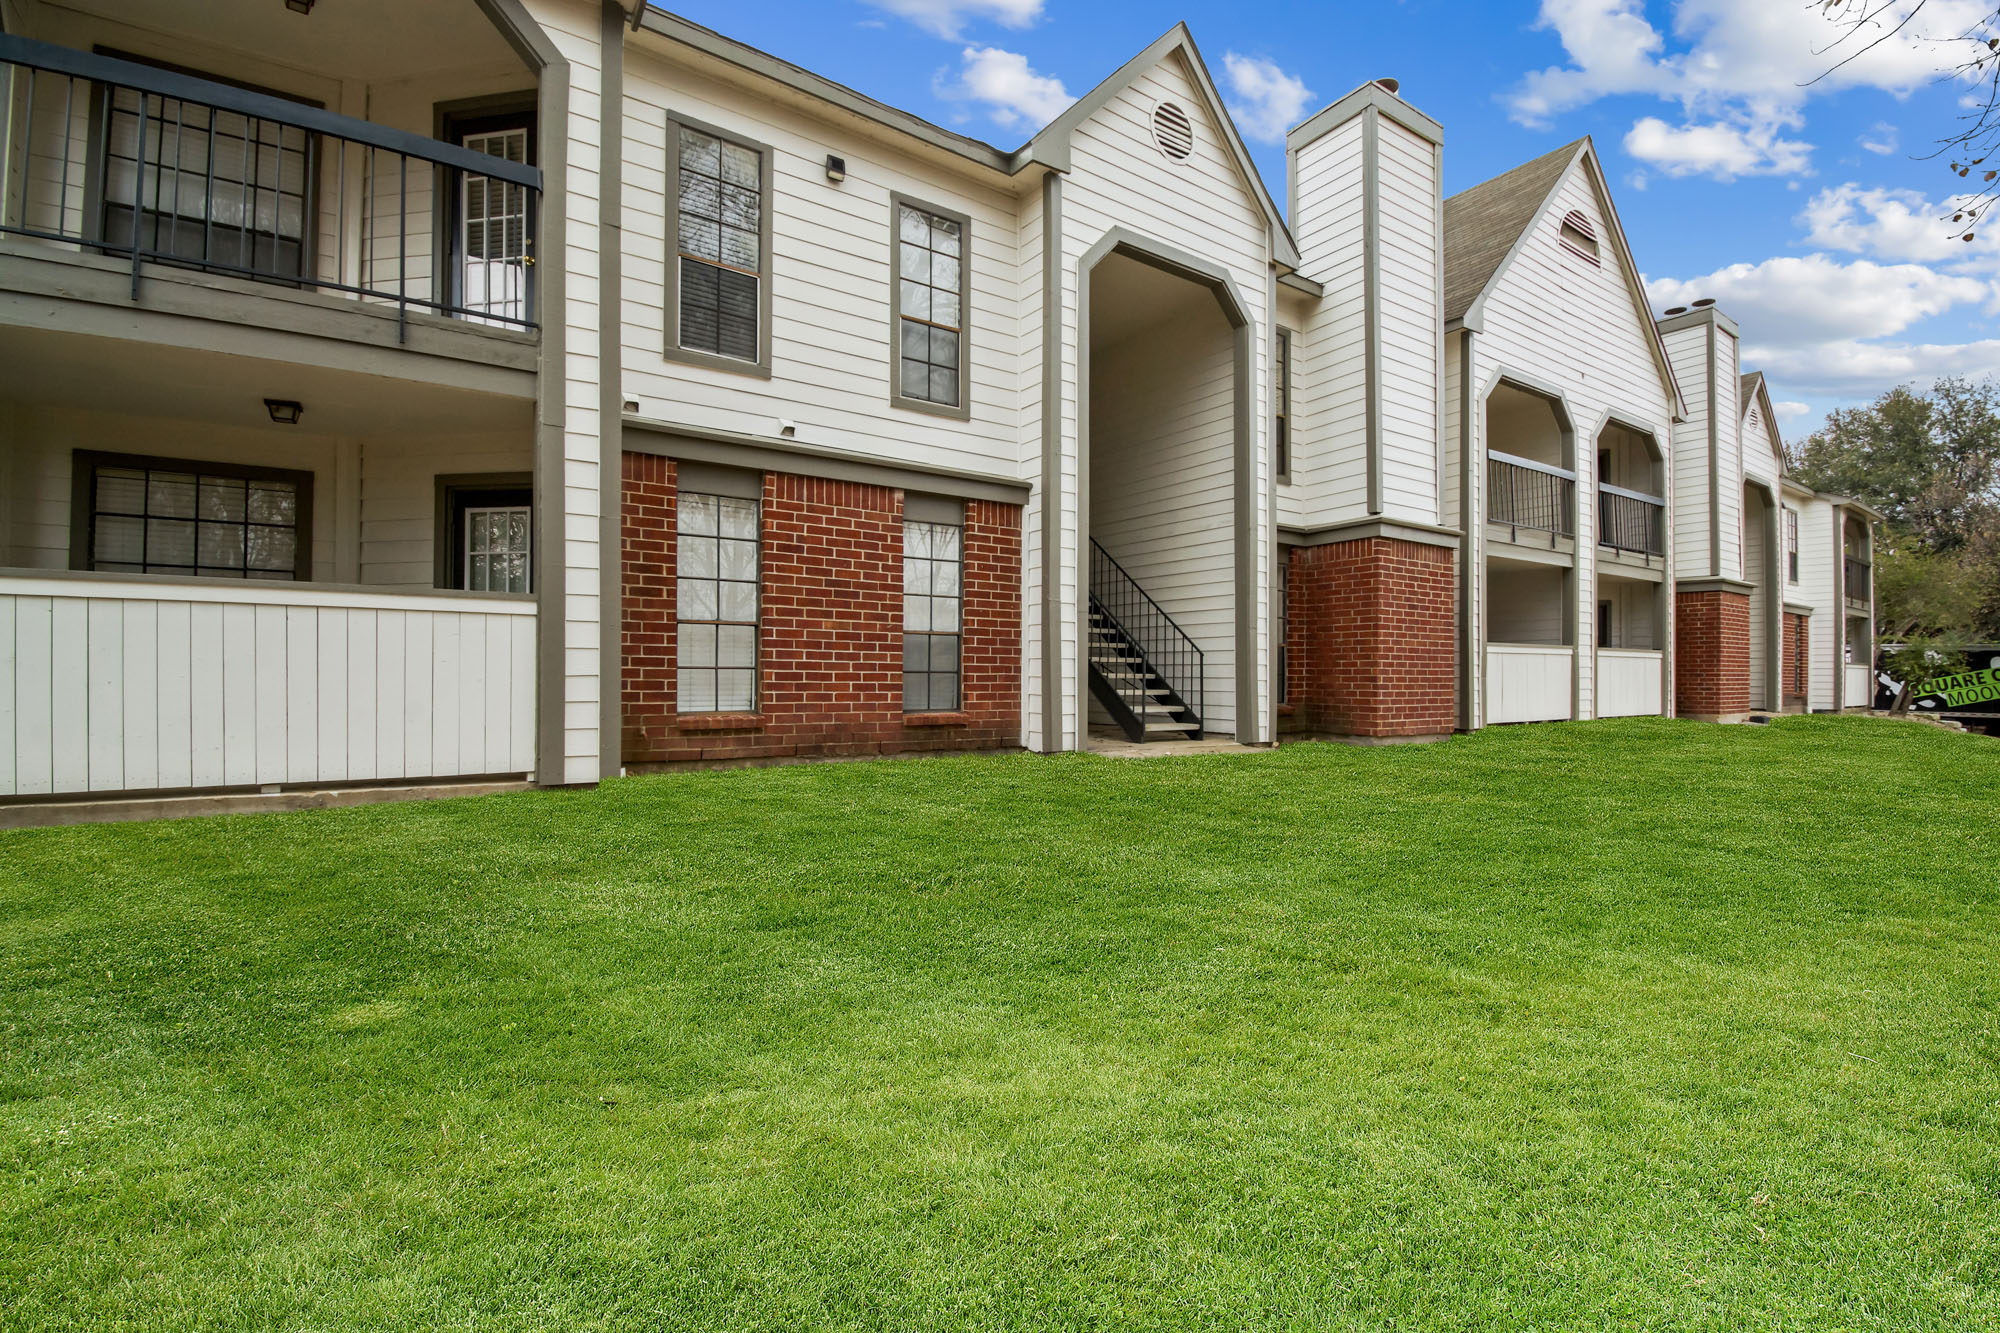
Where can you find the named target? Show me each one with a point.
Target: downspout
(1468, 540)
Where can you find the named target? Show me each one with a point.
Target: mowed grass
(1625, 1025)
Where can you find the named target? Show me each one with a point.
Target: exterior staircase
(1144, 669)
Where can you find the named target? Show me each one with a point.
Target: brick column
(830, 640)
(1797, 659)
(1373, 639)
(1711, 654)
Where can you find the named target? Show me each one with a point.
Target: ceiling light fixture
(283, 412)
(299, 6)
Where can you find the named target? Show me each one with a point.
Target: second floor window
(205, 187)
(930, 306)
(722, 235)
(1791, 546)
(1282, 428)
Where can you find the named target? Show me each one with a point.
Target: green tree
(1930, 461)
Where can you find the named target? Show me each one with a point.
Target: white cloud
(1897, 225)
(1746, 67)
(1267, 100)
(1818, 326)
(1722, 151)
(948, 18)
(1013, 93)
(1884, 139)
(1790, 411)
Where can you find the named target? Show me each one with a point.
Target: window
(1281, 433)
(486, 533)
(933, 565)
(1284, 627)
(217, 189)
(1607, 623)
(717, 559)
(204, 520)
(1792, 545)
(489, 222)
(1579, 236)
(720, 267)
(929, 253)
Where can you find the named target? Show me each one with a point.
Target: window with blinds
(720, 246)
(717, 562)
(493, 229)
(933, 602)
(197, 520)
(930, 305)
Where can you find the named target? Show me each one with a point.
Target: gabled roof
(1482, 225)
(1052, 144)
(1050, 148)
(1752, 391)
(1486, 226)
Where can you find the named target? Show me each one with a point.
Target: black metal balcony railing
(160, 167)
(1856, 573)
(1631, 521)
(1525, 494)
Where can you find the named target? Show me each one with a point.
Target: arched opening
(1630, 612)
(1530, 610)
(1760, 571)
(1164, 438)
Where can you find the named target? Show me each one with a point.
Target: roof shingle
(1482, 224)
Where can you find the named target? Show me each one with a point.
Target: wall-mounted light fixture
(283, 412)
(299, 6)
(836, 168)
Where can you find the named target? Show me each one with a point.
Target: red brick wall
(830, 641)
(1373, 639)
(1798, 656)
(1711, 653)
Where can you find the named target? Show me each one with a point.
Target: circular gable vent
(1173, 132)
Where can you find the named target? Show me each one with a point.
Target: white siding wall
(1729, 453)
(1028, 282)
(832, 338)
(1329, 381)
(1201, 206)
(1757, 570)
(399, 499)
(1691, 519)
(1574, 326)
(1525, 604)
(1410, 180)
(1819, 553)
(1161, 490)
(1632, 602)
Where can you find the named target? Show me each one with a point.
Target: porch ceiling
(105, 375)
(340, 38)
(1128, 298)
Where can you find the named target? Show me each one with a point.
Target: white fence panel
(1860, 687)
(1628, 683)
(1529, 683)
(113, 684)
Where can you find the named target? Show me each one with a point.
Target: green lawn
(1621, 1025)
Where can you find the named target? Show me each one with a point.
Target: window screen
(933, 597)
(178, 519)
(721, 246)
(931, 305)
(1283, 432)
(717, 559)
(218, 189)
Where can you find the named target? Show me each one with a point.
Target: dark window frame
(1285, 351)
(96, 173)
(1284, 626)
(83, 506)
(1791, 545)
(962, 411)
(459, 492)
(453, 121)
(766, 156)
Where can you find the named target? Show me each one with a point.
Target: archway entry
(1760, 571)
(1529, 575)
(1169, 534)
(1631, 605)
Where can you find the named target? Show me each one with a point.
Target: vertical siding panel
(270, 675)
(239, 695)
(9, 655)
(106, 647)
(447, 686)
(140, 682)
(301, 686)
(217, 720)
(497, 731)
(335, 692)
(34, 719)
(174, 694)
(363, 678)
(472, 687)
(69, 689)
(418, 744)
(392, 746)
(522, 706)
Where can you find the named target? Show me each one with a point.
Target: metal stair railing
(1167, 654)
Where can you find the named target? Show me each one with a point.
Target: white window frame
(925, 603)
(725, 634)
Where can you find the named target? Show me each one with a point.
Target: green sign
(1965, 689)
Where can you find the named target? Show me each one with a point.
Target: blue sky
(1805, 211)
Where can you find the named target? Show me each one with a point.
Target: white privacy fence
(1629, 683)
(1860, 687)
(1529, 683)
(111, 685)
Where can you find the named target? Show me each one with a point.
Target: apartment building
(564, 389)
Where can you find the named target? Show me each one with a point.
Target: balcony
(1521, 494)
(1631, 522)
(1857, 574)
(152, 167)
